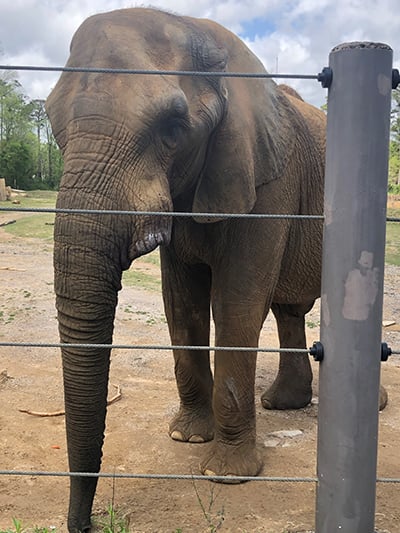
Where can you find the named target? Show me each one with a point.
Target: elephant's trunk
(90, 252)
(87, 279)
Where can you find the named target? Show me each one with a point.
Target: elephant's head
(144, 142)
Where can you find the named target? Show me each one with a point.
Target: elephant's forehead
(129, 38)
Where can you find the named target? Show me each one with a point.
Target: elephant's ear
(227, 183)
(249, 147)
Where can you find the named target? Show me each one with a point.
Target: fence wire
(153, 213)
(174, 214)
(149, 347)
(182, 477)
(160, 347)
(194, 73)
(191, 477)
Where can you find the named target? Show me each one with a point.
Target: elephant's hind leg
(292, 386)
(186, 291)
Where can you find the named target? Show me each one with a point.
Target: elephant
(200, 146)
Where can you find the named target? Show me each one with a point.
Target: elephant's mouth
(149, 243)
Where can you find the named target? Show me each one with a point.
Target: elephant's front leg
(186, 292)
(233, 451)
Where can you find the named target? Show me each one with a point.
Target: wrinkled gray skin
(199, 144)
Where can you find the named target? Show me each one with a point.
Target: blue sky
(257, 27)
(294, 36)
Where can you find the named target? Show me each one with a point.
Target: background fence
(360, 80)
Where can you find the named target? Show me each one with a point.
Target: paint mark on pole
(361, 288)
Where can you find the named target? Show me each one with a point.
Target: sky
(288, 36)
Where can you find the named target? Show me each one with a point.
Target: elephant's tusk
(115, 398)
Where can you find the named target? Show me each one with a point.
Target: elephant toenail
(229, 478)
(266, 403)
(177, 435)
(196, 439)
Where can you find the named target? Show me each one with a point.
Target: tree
(394, 155)
(16, 155)
(16, 163)
(38, 114)
(53, 164)
(14, 111)
(29, 156)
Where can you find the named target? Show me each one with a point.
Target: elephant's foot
(284, 394)
(383, 398)
(231, 460)
(277, 397)
(192, 425)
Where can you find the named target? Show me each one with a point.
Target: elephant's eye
(172, 132)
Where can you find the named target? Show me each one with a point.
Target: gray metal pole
(359, 101)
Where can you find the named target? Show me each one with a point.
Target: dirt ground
(136, 438)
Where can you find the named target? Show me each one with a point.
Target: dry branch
(115, 398)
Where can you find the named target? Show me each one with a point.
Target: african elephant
(193, 144)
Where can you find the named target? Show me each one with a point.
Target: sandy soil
(136, 438)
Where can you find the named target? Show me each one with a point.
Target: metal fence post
(359, 101)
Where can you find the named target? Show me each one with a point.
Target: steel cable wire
(151, 213)
(187, 477)
(219, 74)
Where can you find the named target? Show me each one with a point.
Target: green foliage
(395, 115)
(18, 528)
(394, 153)
(214, 518)
(394, 188)
(114, 522)
(37, 225)
(136, 278)
(29, 156)
(392, 252)
(16, 163)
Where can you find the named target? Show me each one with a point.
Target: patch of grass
(214, 518)
(392, 253)
(137, 278)
(153, 258)
(19, 528)
(39, 199)
(114, 522)
(39, 226)
(34, 199)
(8, 318)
